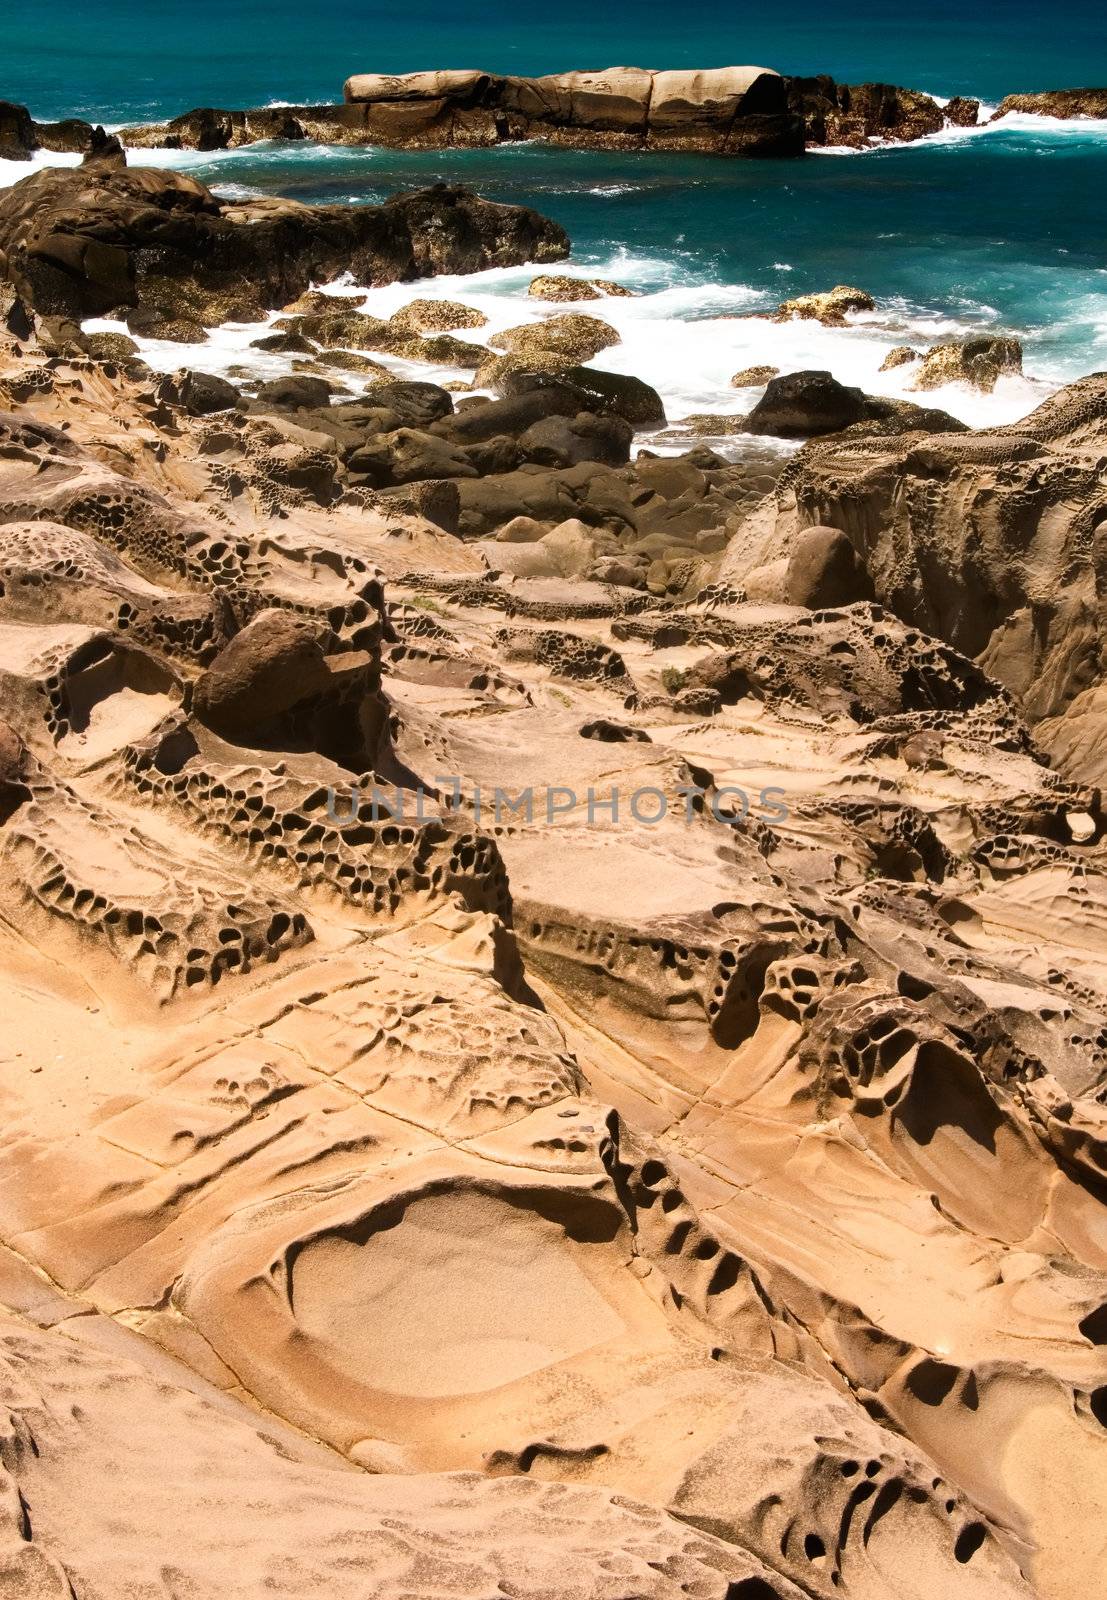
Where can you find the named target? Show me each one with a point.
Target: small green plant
(559, 694)
(673, 678)
(426, 602)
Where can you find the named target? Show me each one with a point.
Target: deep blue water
(119, 59)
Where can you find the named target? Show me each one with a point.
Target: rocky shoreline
(555, 1023)
(730, 111)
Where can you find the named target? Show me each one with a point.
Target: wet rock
(565, 441)
(550, 286)
(901, 356)
(979, 362)
(82, 241)
(752, 377)
(573, 335)
(621, 394)
(284, 344)
(829, 307)
(1055, 103)
(436, 316)
(417, 404)
(109, 346)
(296, 393)
(856, 114)
(17, 132)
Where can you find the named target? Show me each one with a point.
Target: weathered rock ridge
(735, 111)
(79, 242)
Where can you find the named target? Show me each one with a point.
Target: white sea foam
(685, 339)
(12, 171)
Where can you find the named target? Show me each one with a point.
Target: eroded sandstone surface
(658, 1151)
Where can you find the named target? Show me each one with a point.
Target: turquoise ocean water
(1004, 228)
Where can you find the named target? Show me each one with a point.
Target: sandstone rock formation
(735, 111)
(555, 1023)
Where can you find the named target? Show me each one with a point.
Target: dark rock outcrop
(83, 241)
(802, 405)
(855, 114)
(17, 132)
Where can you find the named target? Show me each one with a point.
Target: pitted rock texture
(558, 1047)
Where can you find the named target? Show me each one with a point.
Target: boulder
(803, 404)
(824, 570)
(521, 530)
(417, 404)
(753, 377)
(828, 307)
(86, 240)
(407, 456)
(109, 346)
(284, 344)
(352, 361)
(962, 112)
(278, 660)
(198, 393)
(436, 316)
(565, 441)
(549, 286)
(573, 335)
(299, 393)
(855, 115)
(621, 574)
(513, 414)
(900, 356)
(1055, 103)
(978, 362)
(17, 132)
(616, 393)
(160, 322)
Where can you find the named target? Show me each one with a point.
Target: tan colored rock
(436, 316)
(979, 362)
(829, 307)
(753, 377)
(901, 356)
(370, 86)
(573, 336)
